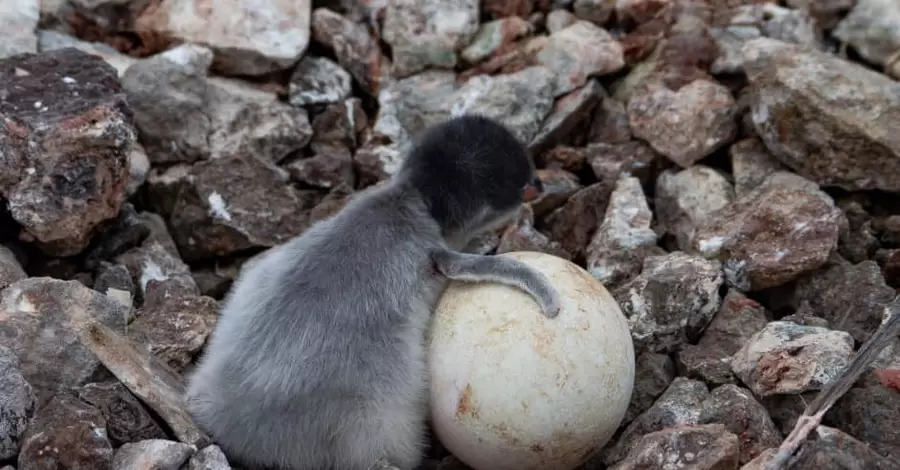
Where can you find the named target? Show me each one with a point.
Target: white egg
(514, 390)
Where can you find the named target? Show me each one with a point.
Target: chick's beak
(532, 190)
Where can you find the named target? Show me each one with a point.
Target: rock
(209, 458)
(640, 11)
(138, 169)
(679, 405)
(20, 20)
(559, 19)
(66, 133)
(506, 8)
(578, 52)
(521, 235)
(126, 418)
(158, 272)
(671, 301)
(609, 124)
(175, 329)
(355, 49)
(271, 39)
(113, 276)
(318, 80)
(66, 433)
(520, 100)
(494, 35)
(821, 136)
(870, 414)
(610, 161)
(559, 185)
(49, 40)
(428, 33)
(786, 358)
(573, 224)
(859, 242)
(737, 320)
(568, 113)
(743, 416)
(751, 164)
(850, 296)
(871, 29)
(685, 125)
(595, 11)
(652, 375)
(828, 447)
(153, 454)
(826, 12)
(772, 235)
(10, 269)
(39, 322)
(17, 403)
(684, 200)
(624, 239)
(227, 205)
(335, 137)
(705, 447)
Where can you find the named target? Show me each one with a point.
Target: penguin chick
(318, 360)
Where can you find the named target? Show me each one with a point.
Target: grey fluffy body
(319, 358)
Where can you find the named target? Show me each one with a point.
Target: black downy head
(472, 173)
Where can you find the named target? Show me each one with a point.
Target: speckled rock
(640, 11)
(624, 239)
(356, 50)
(567, 116)
(209, 458)
(65, 136)
(743, 416)
(10, 269)
(19, 20)
(494, 35)
(751, 164)
(127, 420)
(611, 161)
(872, 28)
(318, 80)
(37, 321)
(704, 447)
(828, 447)
(17, 403)
(66, 433)
(870, 414)
(271, 39)
(580, 51)
(573, 223)
(685, 199)
(609, 124)
(152, 454)
(773, 235)
(841, 138)
(787, 358)
(685, 125)
(671, 301)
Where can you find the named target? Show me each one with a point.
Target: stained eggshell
(512, 389)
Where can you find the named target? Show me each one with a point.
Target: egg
(513, 389)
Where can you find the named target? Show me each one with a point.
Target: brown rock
(610, 161)
(65, 134)
(335, 136)
(685, 125)
(826, 12)
(126, 418)
(573, 224)
(10, 269)
(704, 447)
(743, 416)
(609, 123)
(871, 415)
(17, 403)
(176, 329)
(522, 236)
(506, 8)
(640, 11)
(567, 114)
(751, 164)
(559, 185)
(318, 80)
(356, 50)
(578, 52)
(152, 454)
(773, 235)
(66, 433)
(652, 375)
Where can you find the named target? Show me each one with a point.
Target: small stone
(126, 418)
(743, 416)
(573, 224)
(826, 12)
(679, 405)
(49, 40)
(427, 33)
(318, 80)
(356, 50)
(578, 52)
(335, 133)
(624, 239)
(209, 458)
(786, 358)
(271, 39)
(38, 321)
(704, 447)
(751, 164)
(522, 236)
(737, 320)
(773, 235)
(639, 11)
(559, 19)
(652, 375)
(158, 272)
(609, 123)
(870, 414)
(684, 200)
(685, 125)
(152, 454)
(786, 410)
(494, 35)
(113, 276)
(215, 282)
(559, 186)
(595, 11)
(66, 433)
(569, 112)
(17, 403)
(20, 20)
(176, 329)
(871, 28)
(10, 269)
(611, 161)
(828, 447)
(842, 138)
(66, 133)
(671, 301)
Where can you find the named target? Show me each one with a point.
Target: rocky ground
(730, 169)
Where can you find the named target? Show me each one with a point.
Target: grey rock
(17, 404)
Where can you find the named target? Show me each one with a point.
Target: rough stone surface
(704, 447)
(20, 20)
(573, 224)
(126, 418)
(671, 301)
(355, 49)
(870, 414)
(580, 51)
(772, 235)
(828, 447)
(318, 80)
(17, 403)
(609, 123)
(743, 416)
(839, 138)
(751, 164)
(152, 454)
(65, 134)
(493, 35)
(569, 112)
(652, 375)
(271, 39)
(787, 358)
(685, 125)
(10, 268)
(521, 235)
(66, 433)
(873, 29)
(209, 458)
(685, 199)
